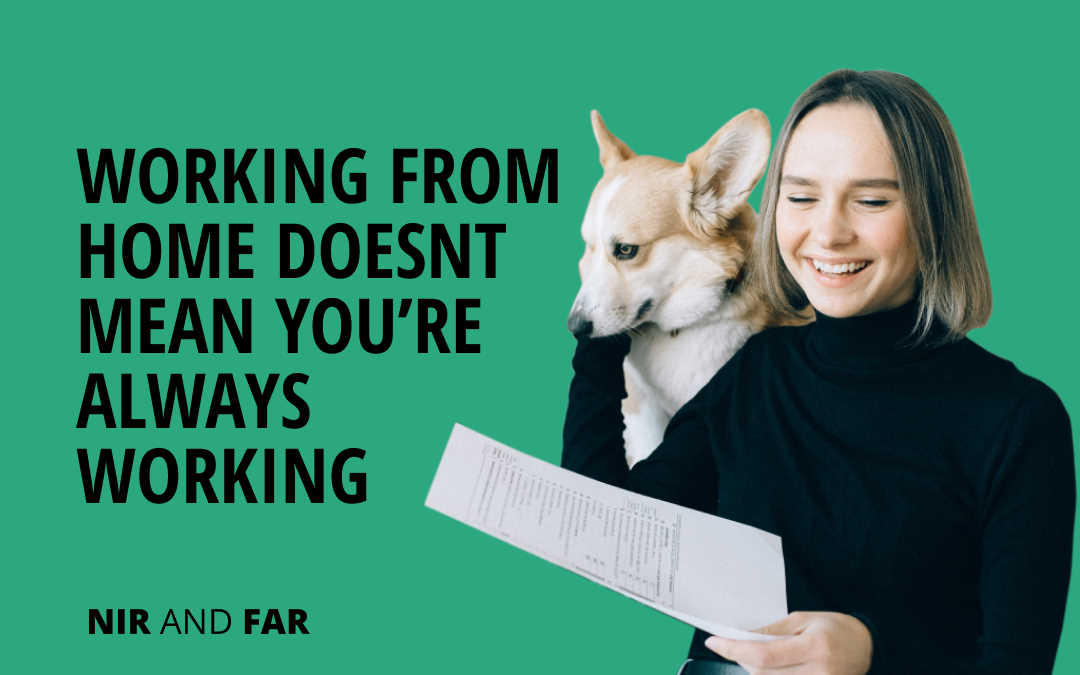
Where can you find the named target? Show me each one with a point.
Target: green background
(389, 583)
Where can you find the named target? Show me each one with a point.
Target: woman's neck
(879, 339)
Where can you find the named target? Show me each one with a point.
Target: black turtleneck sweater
(930, 492)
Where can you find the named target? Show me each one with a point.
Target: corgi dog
(666, 246)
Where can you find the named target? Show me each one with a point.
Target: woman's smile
(837, 273)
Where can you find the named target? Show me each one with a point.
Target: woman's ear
(725, 170)
(612, 150)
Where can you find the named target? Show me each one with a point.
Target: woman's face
(841, 223)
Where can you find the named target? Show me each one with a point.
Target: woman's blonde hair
(954, 285)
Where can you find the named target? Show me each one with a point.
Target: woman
(924, 488)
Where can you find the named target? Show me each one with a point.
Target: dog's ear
(612, 150)
(725, 170)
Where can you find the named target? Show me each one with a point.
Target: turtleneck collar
(871, 340)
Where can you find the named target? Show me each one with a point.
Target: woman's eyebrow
(860, 183)
(876, 183)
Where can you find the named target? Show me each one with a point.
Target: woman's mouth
(842, 272)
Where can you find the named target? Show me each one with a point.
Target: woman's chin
(839, 305)
(840, 312)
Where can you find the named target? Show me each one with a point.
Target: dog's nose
(579, 325)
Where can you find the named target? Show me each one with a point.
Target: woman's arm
(1028, 504)
(592, 431)
(681, 470)
(1029, 507)
(1027, 499)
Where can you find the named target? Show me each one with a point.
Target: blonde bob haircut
(953, 286)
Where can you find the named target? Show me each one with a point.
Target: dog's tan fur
(693, 229)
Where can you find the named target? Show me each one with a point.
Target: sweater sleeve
(1028, 503)
(681, 470)
(592, 431)
(1029, 509)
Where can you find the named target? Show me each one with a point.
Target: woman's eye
(625, 251)
(874, 203)
(794, 199)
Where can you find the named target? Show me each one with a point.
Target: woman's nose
(832, 228)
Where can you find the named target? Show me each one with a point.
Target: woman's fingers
(809, 642)
(788, 651)
(771, 654)
(792, 624)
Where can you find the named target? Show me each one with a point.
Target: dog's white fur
(692, 228)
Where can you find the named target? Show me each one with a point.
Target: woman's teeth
(845, 268)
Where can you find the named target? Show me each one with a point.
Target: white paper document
(712, 573)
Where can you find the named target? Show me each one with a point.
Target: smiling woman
(867, 173)
(844, 233)
(923, 487)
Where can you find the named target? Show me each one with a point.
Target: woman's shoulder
(773, 344)
(1017, 407)
(973, 364)
(764, 343)
(1025, 435)
(763, 352)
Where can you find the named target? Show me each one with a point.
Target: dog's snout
(579, 325)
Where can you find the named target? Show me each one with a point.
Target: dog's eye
(625, 251)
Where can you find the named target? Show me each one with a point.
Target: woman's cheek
(890, 238)
(787, 236)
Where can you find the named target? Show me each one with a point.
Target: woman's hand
(814, 642)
